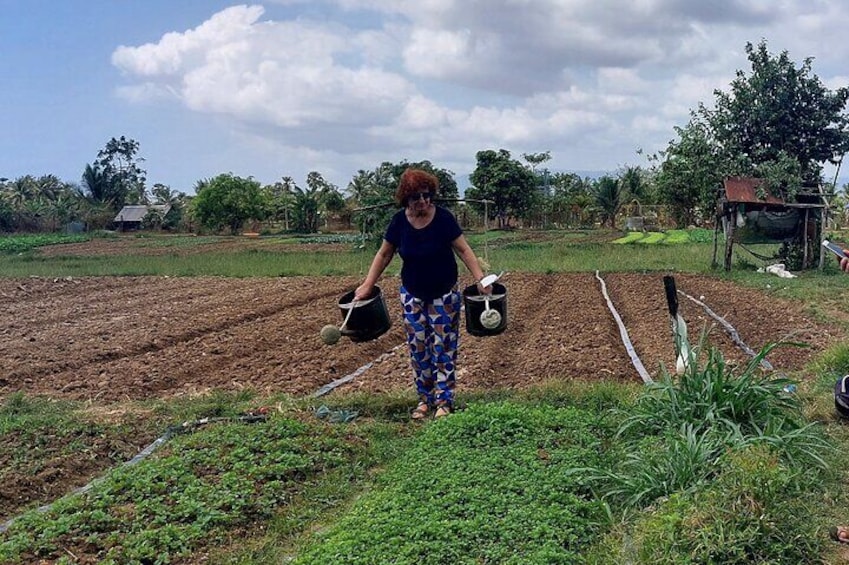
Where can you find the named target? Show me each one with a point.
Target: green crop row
(670, 237)
(22, 243)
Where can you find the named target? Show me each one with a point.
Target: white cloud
(375, 80)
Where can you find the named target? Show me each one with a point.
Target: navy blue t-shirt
(429, 270)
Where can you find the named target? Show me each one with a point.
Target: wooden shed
(747, 212)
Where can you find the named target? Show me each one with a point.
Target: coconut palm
(607, 194)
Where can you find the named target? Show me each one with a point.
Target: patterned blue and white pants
(433, 331)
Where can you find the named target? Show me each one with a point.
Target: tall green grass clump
(717, 466)
(756, 510)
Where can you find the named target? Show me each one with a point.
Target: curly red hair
(414, 181)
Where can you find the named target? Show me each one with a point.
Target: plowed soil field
(112, 339)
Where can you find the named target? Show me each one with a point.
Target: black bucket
(370, 318)
(475, 305)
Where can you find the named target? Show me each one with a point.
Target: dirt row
(112, 339)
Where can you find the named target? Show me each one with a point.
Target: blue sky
(281, 88)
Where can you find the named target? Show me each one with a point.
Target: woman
(427, 237)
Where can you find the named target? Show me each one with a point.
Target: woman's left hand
(484, 289)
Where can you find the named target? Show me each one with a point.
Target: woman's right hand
(363, 291)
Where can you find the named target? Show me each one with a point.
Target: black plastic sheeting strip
(348, 378)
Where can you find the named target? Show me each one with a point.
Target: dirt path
(115, 339)
(112, 339)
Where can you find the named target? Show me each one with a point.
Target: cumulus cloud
(387, 79)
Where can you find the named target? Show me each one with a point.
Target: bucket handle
(357, 303)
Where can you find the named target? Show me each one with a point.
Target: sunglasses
(426, 195)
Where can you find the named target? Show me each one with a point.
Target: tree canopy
(779, 113)
(228, 201)
(504, 181)
(120, 166)
(376, 188)
(778, 122)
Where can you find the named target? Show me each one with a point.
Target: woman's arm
(381, 259)
(467, 256)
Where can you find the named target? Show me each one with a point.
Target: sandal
(420, 411)
(839, 534)
(442, 411)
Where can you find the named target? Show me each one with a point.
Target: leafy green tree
(163, 194)
(95, 185)
(21, 190)
(67, 207)
(228, 201)
(690, 173)
(536, 159)
(634, 185)
(124, 179)
(7, 215)
(361, 185)
(38, 204)
(571, 199)
(504, 181)
(310, 204)
(280, 200)
(779, 123)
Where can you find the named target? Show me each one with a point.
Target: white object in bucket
(489, 279)
(490, 319)
(357, 303)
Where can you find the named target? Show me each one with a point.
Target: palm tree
(607, 194)
(362, 185)
(96, 182)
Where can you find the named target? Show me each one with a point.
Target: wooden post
(823, 224)
(729, 238)
(805, 241)
(716, 226)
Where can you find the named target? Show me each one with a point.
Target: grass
(252, 263)
(201, 486)
(719, 466)
(564, 252)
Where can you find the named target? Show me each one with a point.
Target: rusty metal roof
(744, 189)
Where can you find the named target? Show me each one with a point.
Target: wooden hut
(130, 217)
(747, 212)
